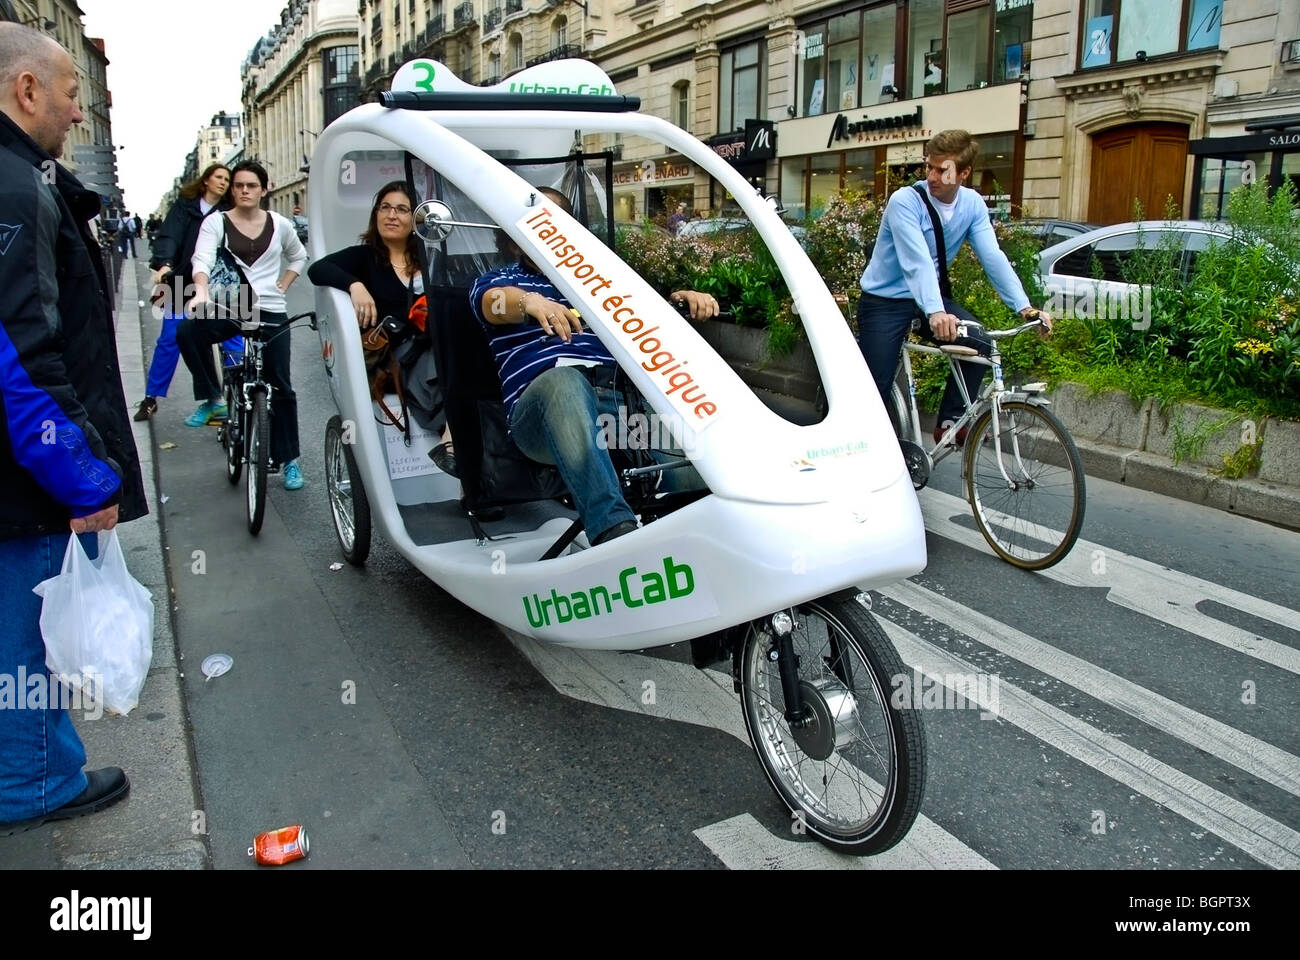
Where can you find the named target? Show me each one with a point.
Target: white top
(945, 209)
(286, 252)
(204, 206)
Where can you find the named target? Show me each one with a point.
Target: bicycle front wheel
(259, 460)
(1026, 485)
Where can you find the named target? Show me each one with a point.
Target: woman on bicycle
(383, 277)
(172, 248)
(267, 247)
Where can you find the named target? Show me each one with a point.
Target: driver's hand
(701, 305)
(944, 326)
(364, 304)
(555, 319)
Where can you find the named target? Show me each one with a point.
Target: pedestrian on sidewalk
(58, 373)
(126, 236)
(267, 247)
(906, 280)
(173, 273)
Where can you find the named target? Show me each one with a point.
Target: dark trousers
(196, 335)
(883, 325)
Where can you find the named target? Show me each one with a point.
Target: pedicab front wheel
(349, 505)
(853, 771)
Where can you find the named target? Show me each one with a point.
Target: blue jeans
(555, 421)
(41, 755)
(167, 354)
(883, 325)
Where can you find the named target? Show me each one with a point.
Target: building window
(559, 32)
(1011, 32)
(848, 61)
(1119, 31)
(342, 82)
(925, 47)
(968, 50)
(682, 105)
(516, 52)
(740, 93)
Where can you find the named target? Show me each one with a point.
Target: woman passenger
(383, 277)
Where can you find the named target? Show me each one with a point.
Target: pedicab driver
(904, 273)
(557, 379)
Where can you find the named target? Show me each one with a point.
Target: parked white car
(1067, 269)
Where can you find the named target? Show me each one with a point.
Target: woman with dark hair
(172, 249)
(382, 275)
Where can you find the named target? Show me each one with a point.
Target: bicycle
(1022, 471)
(245, 435)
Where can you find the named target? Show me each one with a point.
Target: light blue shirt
(905, 262)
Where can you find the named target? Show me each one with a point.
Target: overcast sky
(171, 67)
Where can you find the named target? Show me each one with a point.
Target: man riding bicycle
(905, 280)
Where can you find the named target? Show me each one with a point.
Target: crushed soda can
(278, 847)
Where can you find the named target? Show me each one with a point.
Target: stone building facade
(297, 79)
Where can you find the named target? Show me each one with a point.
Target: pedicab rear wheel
(349, 505)
(854, 773)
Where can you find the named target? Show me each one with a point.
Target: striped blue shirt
(521, 350)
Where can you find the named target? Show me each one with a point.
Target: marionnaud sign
(842, 129)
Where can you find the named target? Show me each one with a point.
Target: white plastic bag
(97, 621)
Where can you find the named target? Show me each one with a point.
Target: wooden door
(1146, 162)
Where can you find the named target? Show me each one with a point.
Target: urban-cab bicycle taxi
(764, 566)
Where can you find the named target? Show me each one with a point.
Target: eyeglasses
(402, 210)
(246, 186)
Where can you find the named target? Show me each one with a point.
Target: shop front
(1269, 152)
(867, 148)
(652, 188)
(749, 151)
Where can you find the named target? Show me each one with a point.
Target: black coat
(66, 447)
(174, 245)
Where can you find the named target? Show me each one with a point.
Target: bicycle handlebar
(1037, 321)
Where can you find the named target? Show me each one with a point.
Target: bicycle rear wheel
(259, 459)
(1032, 516)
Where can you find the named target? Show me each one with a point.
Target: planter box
(745, 348)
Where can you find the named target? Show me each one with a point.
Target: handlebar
(1036, 321)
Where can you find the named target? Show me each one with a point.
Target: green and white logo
(635, 591)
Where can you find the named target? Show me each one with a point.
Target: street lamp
(306, 160)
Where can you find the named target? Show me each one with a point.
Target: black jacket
(174, 245)
(66, 447)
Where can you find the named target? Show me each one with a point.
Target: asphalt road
(1147, 696)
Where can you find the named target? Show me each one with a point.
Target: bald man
(68, 462)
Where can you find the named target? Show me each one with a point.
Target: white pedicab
(763, 568)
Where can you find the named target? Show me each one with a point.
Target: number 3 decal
(427, 82)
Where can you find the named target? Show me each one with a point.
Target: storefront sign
(653, 171)
(755, 144)
(1284, 140)
(884, 127)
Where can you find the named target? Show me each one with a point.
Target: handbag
(227, 280)
(384, 372)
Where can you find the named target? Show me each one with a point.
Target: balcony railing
(490, 81)
(557, 53)
(436, 28)
(377, 23)
(492, 19)
(1291, 53)
(514, 6)
(464, 14)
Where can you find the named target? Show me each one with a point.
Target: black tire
(900, 413)
(1033, 522)
(232, 434)
(259, 460)
(349, 505)
(845, 663)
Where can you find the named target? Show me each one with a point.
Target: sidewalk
(153, 829)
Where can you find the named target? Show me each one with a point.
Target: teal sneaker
(208, 412)
(292, 476)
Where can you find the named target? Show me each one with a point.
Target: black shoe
(444, 458)
(103, 789)
(148, 407)
(617, 530)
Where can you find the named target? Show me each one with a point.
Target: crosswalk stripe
(1248, 753)
(1166, 595)
(1262, 837)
